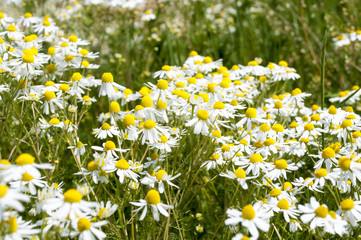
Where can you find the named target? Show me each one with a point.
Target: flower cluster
(201, 117)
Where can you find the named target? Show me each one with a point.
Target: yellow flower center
(28, 58)
(54, 121)
(163, 139)
(248, 212)
(24, 159)
(256, 158)
(166, 68)
(219, 105)
(278, 105)
(283, 204)
(49, 95)
(13, 225)
(309, 127)
(346, 123)
(92, 166)
(328, 153)
(107, 77)
(162, 84)
(161, 105)
(202, 114)
(321, 212)
(332, 110)
(64, 87)
(122, 164)
(252, 63)
(109, 146)
(287, 186)
(315, 117)
(347, 204)
(79, 144)
(129, 120)
(160, 175)
(11, 28)
(240, 173)
(344, 163)
(269, 142)
(251, 113)
(281, 164)
(3, 190)
(83, 224)
(275, 192)
(114, 107)
(72, 196)
(278, 127)
(147, 101)
(27, 177)
(149, 124)
(152, 197)
(283, 63)
(322, 172)
(105, 126)
(103, 213)
(264, 127)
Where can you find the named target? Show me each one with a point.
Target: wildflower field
(188, 119)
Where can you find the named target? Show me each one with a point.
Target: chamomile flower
(86, 229)
(350, 211)
(108, 86)
(105, 131)
(314, 213)
(160, 177)
(240, 175)
(153, 200)
(110, 149)
(123, 170)
(280, 168)
(78, 146)
(69, 205)
(201, 122)
(253, 217)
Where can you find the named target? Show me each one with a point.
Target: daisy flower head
(152, 199)
(239, 174)
(108, 86)
(78, 146)
(11, 199)
(151, 132)
(280, 168)
(86, 229)
(105, 131)
(28, 183)
(16, 228)
(26, 163)
(105, 210)
(110, 149)
(214, 161)
(170, 72)
(69, 205)
(201, 122)
(350, 211)
(249, 119)
(50, 102)
(253, 217)
(123, 170)
(314, 213)
(160, 177)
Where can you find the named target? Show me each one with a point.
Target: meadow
(144, 119)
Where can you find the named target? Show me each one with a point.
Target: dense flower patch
(287, 165)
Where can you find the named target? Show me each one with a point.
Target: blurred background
(137, 37)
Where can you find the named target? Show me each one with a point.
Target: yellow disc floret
(72, 196)
(152, 197)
